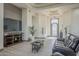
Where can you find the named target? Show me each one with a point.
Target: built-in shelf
(11, 38)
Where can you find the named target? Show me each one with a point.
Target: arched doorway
(54, 27)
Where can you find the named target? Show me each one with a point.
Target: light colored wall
(48, 29)
(1, 25)
(75, 22)
(40, 21)
(65, 21)
(43, 21)
(11, 11)
(41, 24)
(70, 19)
(35, 23)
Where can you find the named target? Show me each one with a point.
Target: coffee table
(36, 45)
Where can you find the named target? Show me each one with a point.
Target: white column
(39, 25)
(26, 22)
(1, 25)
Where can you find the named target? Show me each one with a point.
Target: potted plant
(32, 31)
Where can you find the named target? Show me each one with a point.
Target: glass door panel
(54, 29)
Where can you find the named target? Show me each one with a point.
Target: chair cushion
(64, 50)
(74, 44)
(77, 48)
(68, 43)
(59, 43)
(57, 54)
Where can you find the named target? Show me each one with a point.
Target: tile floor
(24, 49)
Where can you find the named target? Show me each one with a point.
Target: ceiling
(59, 9)
(50, 8)
(36, 5)
(45, 5)
(41, 5)
(20, 5)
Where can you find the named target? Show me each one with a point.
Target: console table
(12, 37)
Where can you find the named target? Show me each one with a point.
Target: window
(54, 27)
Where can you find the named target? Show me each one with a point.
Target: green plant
(32, 30)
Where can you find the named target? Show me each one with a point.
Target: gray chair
(68, 47)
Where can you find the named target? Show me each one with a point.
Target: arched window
(54, 26)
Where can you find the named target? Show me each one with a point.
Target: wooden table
(36, 45)
(12, 37)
